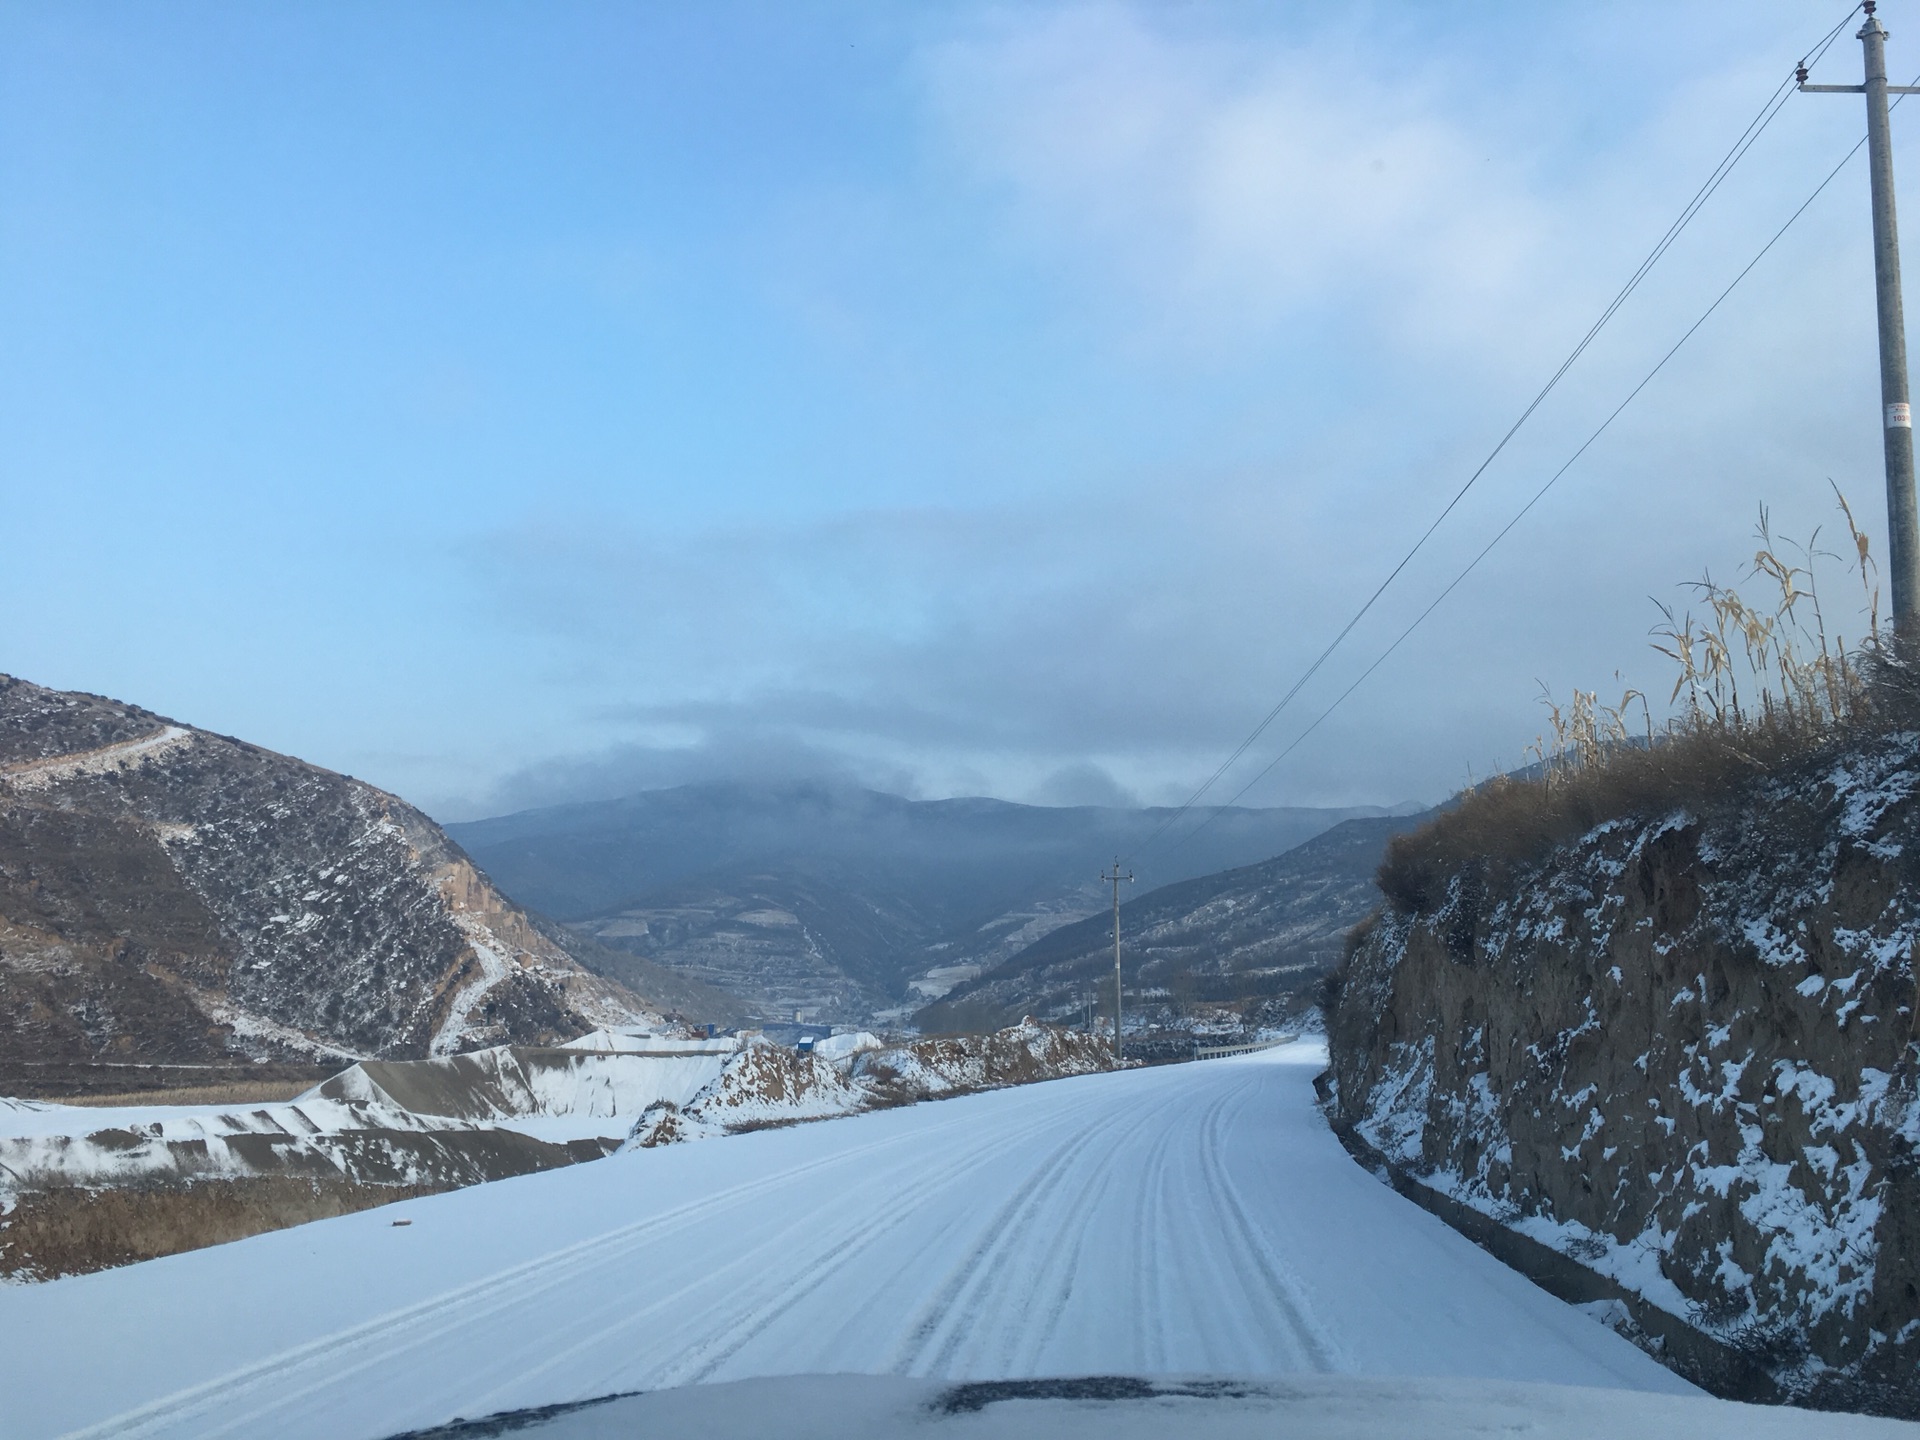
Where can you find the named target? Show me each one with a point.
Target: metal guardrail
(1215, 1052)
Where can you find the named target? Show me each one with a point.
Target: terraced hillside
(845, 903)
(1250, 941)
(170, 895)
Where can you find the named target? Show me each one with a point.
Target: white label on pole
(1900, 416)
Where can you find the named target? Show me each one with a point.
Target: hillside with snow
(1239, 949)
(171, 895)
(843, 902)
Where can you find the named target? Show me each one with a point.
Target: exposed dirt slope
(167, 894)
(767, 1084)
(1681, 1050)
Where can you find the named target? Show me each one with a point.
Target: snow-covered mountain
(167, 894)
(843, 902)
(1252, 943)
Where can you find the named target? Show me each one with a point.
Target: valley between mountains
(174, 898)
(324, 1127)
(843, 905)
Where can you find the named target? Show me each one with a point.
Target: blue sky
(510, 403)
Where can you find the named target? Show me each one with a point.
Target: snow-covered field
(1193, 1219)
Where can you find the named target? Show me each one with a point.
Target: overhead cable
(1540, 494)
(1745, 142)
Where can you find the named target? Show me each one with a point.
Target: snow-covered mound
(634, 1041)
(455, 1120)
(954, 1064)
(767, 1084)
(1126, 1407)
(511, 1082)
(843, 1047)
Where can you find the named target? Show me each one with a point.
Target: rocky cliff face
(1681, 1050)
(171, 895)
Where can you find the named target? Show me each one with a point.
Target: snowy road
(1192, 1218)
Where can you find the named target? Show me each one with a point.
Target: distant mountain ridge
(171, 895)
(836, 900)
(1259, 932)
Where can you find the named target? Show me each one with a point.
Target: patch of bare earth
(76, 1230)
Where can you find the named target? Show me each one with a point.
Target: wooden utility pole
(1903, 526)
(1114, 879)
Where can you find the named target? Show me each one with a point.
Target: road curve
(1191, 1218)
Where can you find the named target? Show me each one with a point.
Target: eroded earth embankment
(88, 1188)
(172, 897)
(1680, 1051)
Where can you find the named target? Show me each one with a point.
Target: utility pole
(1114, 879)
(1903, 529)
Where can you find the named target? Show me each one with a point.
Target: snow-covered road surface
(1185, 1219)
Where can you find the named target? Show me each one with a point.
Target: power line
(1540, 494)
(1745, 142)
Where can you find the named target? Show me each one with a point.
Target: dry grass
(1507, 820)
(74, 1230)
(1759, 689)
(262, 1093)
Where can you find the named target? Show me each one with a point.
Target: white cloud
(1230, 186)
(1270, 211)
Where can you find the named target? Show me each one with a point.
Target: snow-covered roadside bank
(1679, 1053)
(1194, 1219)
(609, 1086)
(860, 1407)
(771, 1085)
(83, 1188)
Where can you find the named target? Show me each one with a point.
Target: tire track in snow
(937, 1333)
(1041, 1268)
(772, 1290)
(1150, 1215)
(1054, 1278)
(866, 1233)
(411, 1327)
(1316, 1347)
(948, 1338)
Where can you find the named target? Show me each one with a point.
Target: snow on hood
(1127, 1407)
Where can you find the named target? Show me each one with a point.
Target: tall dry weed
(1759, 684)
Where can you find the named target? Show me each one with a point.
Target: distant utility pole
(1114, 879)
(1903, 530)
